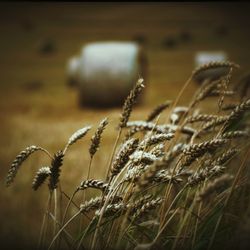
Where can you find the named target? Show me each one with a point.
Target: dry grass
(171, 181)
(43, 116)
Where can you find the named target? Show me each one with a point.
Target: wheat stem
(196, 225)
(43, 223)
(228, 199)
(113, 152)
(62, 228)
(68, 204)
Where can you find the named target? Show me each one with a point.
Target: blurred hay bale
(205, 57)
(107, 71)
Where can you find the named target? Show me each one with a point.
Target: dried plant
(215, 185)
(98, 184)
(237, 113)
(129, 102)
(20, 158)
(157, 110)
(96, 139)
(77, 136)
(196, 150)
(201, 118)
(123, 155)
(55, 169)
(150, 199)
(213, 65)
(40, 177)
(147, 207)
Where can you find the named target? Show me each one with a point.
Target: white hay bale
(72, 70)
(205, 57)
(108, 71)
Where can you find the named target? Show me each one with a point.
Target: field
(37, 107)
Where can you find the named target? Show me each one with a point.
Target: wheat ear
(213, 65)
(129, 102)
(76, 136)
(40, 177)
(123, 155)
(20, 158)
(200, 148)
(96, 138)
(157, 110)
(217, 184)
(55, 169)
(237, 113)
(92, 183)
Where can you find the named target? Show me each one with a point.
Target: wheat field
(34, 110)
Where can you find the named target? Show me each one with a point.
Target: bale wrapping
(107, 72)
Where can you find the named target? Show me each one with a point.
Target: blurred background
(38, 107)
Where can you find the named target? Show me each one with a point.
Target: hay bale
(204, 57)
(107, 72)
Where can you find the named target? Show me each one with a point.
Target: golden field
(37, 107)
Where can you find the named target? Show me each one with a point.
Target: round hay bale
(108, 71)
(203, 58)
(72, 71)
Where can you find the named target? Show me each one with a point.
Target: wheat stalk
(150, 205)
(204, 174)
(40, 177)
(96, 139)
(217, 184)
(158, 150)
(235, 134)
(200, 118)
(225, 156)
(129, 102)
(213, 65)
(196, 150)
(141, 156)
(155, 139)
(55, 169)
(94, 203)
(237, 113)
(157, 110)
(148, 175)
(80, 133)
(93, 183)
(123, 155)
(20, 158)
